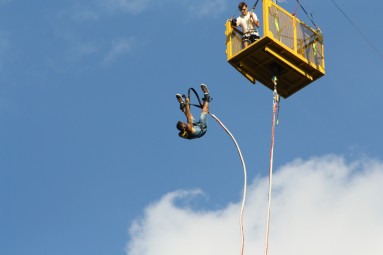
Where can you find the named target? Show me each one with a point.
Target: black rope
(309, 16)
(255, 5)
(200, 105)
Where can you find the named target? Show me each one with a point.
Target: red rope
(296, 9)
(274, 120)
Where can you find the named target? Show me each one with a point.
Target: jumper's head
(181, 126)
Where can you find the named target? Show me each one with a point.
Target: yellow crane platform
(289, 49)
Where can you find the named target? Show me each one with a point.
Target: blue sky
(90, 160)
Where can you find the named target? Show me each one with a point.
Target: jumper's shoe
(204, 88)
(181, 101)
(206, 96)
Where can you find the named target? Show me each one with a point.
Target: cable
(244, 182)
(357, 29)
(310, 18)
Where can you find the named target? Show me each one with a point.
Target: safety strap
(315, 49)
(276, 22)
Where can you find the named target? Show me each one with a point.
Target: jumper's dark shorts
(200, 126)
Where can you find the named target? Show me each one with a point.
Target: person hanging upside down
(193, 129)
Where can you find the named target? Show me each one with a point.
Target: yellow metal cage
(289, 49)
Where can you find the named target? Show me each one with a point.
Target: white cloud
(197, 7)
(319, 206)
(203, 8)
(85, 15)
(131, 6)
(119, 48)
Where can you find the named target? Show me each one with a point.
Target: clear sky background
(90, 160)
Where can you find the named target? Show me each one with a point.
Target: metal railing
(288, 30)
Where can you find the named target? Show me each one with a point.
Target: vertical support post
(265, 18)
(295, 42)
(229, 40)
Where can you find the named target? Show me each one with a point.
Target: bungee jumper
(196, 129)
(193, 129)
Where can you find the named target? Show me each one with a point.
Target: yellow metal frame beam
(267, 49)
(265, 18)
(228, 32)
